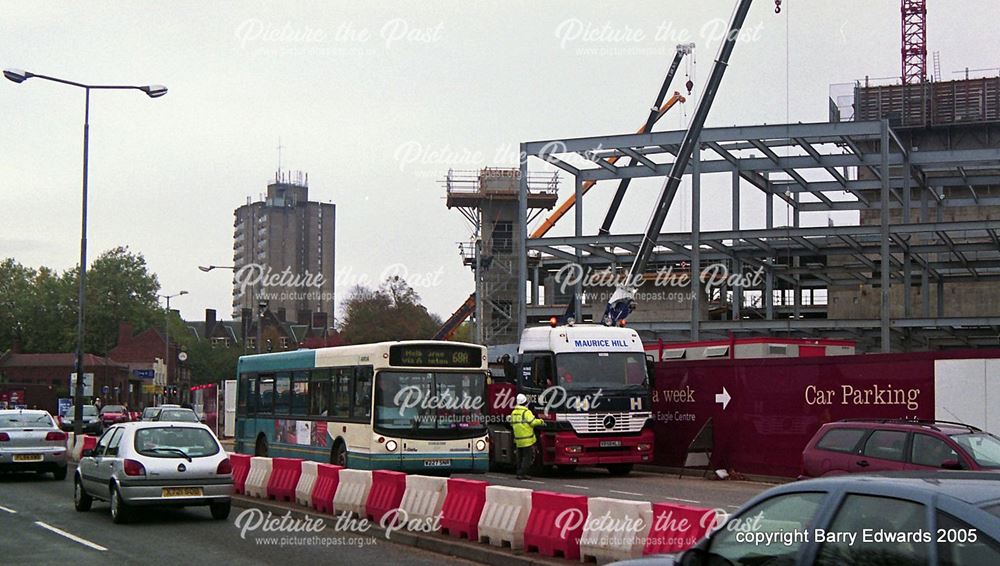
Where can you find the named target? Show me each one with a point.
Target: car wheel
(81, 500)
(120, 512)
(59, 474)
(220, 511)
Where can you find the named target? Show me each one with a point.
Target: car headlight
(480, 445)
(391, 445)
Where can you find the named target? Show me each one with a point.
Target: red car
(857, 446)
(114, 414)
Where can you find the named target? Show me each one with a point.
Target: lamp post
(166, 337)
(153, 91)
(262, 308)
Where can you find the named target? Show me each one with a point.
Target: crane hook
(777, 6)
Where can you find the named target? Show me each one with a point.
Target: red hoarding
(764, 411)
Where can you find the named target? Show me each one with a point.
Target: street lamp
(207, 268)
(166, 337)
(153, 91)
(262, 308)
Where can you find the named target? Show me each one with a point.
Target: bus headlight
(391, 445)
(480, 445)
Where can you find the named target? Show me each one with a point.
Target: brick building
(45, 378)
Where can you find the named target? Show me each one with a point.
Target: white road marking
(626, 493)
(533, 481)
(575, 486)
(8, 509)
(679, 499)
(495, 476)
(71, 536)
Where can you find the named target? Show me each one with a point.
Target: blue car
(910, 518)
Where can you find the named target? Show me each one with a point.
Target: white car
(155, 463)
(31, 441)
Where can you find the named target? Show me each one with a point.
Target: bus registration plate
(437, 463)
(611, 443)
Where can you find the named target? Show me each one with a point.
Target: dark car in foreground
(140, 464)
(859, 446)
(31, 441)
(941, 517)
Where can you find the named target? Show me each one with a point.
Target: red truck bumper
(571, 449)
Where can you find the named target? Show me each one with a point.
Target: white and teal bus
(410, 406)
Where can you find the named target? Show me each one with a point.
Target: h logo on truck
(635, 403)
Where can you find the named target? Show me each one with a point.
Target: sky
(376, 101)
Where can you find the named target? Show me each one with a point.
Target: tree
(391, 312)
(39, 307)
(120, 288)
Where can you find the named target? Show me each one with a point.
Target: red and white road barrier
(385, 494)
(677, 527)
(422, 501)
(258, 478)
(504, 516)
(285, 474)
(462, 508)
(615, 529)
(307, 481)
(241, 469)
(352, 492)
(84, 442)
(327, 481)
(550, 531)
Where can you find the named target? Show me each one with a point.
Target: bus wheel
(261, 448)
(620, 469)
(338, 456)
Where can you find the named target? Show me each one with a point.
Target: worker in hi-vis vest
(524, 422)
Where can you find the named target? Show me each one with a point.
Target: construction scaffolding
(927, 243)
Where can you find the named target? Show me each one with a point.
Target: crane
(622, 301)
(656, 111)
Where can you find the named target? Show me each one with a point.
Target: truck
(589, 383)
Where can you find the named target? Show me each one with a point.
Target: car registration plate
(437, 463)
(28, 457)
(611, 443)
(182, 492)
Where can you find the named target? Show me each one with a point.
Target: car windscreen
(175, 442)
(112, 409)
(178, 416)
(983, 447)
(25, 420)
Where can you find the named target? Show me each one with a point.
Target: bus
(409, 406)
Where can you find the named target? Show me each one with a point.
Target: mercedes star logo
(609, 422)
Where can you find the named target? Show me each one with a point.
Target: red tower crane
(914, 37)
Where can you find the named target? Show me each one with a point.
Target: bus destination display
(434, 356)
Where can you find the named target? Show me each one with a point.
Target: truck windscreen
(606, 370)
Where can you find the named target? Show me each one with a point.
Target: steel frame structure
(811, 174)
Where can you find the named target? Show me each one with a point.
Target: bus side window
(252, 400)
(282, 393)
(241, 394)
(341, 402)
(266, 403)
(300, 393)
(363, 393)
(320, 399)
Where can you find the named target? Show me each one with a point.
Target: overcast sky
(376, 101)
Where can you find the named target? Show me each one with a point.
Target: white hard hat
(521, 399)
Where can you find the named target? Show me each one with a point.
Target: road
(639, 486)
(38, 525)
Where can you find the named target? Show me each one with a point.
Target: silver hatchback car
(155, 463)
(31, 441)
